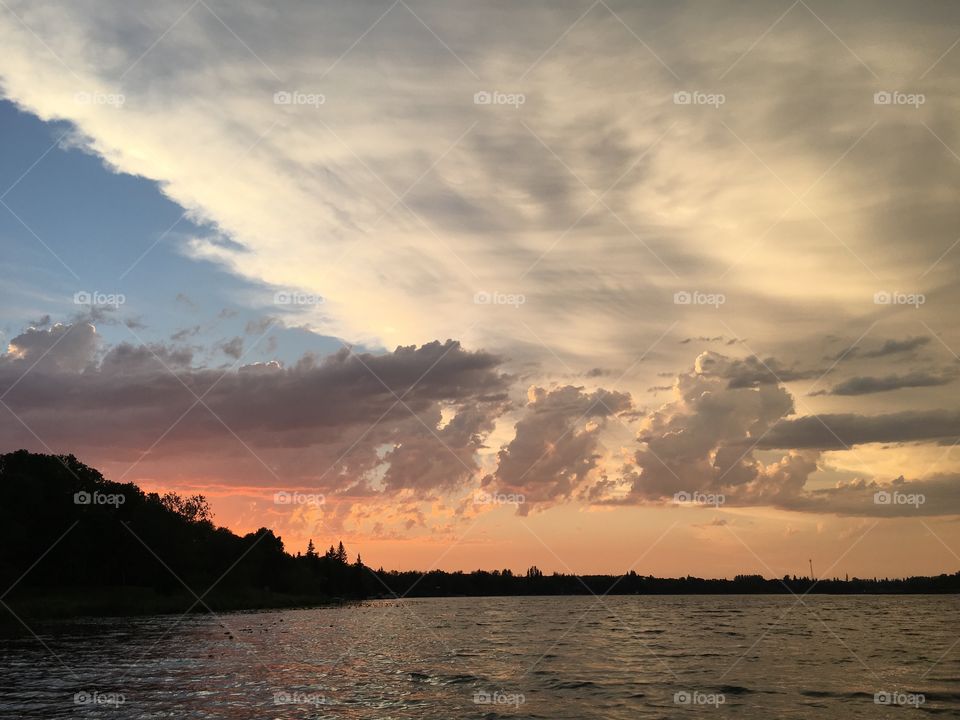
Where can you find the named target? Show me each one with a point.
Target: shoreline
(103, 603)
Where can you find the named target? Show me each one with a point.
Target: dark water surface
(569, 657)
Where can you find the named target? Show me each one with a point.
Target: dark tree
(193, 509)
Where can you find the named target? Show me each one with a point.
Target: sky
(668, 287)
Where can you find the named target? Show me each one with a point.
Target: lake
(536, 657)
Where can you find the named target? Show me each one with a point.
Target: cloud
(262, 367)
(889, 347)
(936, 495)
(184, 333)
(702, 439)
(412, 420)
(414, 424)
(232, 348)
(716, 522)
(555, 444)
(127, 359)
(895, 347)
(505, 198)
(64, 348)
(702, 338)
(709, 437)
(837, 431)
(865, 385)
(259, 326)
(751, 371)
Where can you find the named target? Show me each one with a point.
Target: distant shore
(72, 603)
(67, 603)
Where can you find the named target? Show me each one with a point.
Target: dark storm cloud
(419, 413)
(894, 347)
(889, 347)
(752, 371)
(125, 359)
(839, 431)
(937, 495)
(866, 385)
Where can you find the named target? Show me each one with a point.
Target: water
(569, 657)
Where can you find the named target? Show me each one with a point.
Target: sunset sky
(413, 262)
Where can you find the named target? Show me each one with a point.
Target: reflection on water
(570, 657)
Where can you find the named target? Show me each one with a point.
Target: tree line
(76, 542)
(67, 531)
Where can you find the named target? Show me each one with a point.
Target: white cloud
(307, 194)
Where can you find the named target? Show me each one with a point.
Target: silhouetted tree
(194, 508)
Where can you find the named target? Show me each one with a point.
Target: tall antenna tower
(811, 568)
